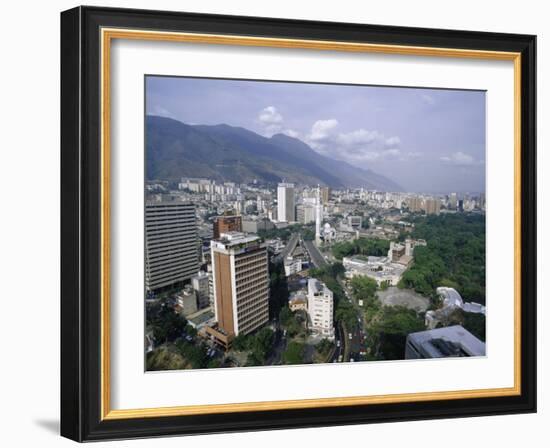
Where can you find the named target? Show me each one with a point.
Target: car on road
(337, 343)
(350, 336)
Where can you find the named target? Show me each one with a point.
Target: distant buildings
(432, 206)
(355, 222)
(228, 223)
(286, 203)
(453, 201)
(305, 213)
(171, 244)
(445, 342)
(325, 195)
(320, 308)
(241, 284)
(250, 225)
(417, 204)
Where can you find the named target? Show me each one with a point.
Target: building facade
(200, 285)
(286, 208)
(241, 283)
(171, 244)
(224, 224)
(320, 308)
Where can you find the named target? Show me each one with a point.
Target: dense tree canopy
(278, 289)
(361, 246)
(363, 287)
(454, 256)
(258, 345)
(294, 353)
(165, 323)
(388, 331)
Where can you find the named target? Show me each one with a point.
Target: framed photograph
(274, 223)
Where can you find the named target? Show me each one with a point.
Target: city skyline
(427, 140)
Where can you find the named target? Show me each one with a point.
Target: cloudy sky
(426, 140)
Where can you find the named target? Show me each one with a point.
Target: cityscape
(263, 249)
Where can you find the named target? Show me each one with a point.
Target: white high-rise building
(286, 207)
(318, 218)
(171, 244)
(320, 307)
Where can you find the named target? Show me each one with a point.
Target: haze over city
(426, 140)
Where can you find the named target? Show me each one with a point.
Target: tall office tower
(285, 203)
(453, 201)
(227, 223)
(241, 283)
(325, 195)
(305, 213)
(432, 206)
(318, 219)
(320, 308)
(415, 204)
(482, 201)
(171, 244)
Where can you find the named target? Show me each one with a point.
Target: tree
(294, 353)
(475, 324)
(389, 330)
(362, 246)
(363, 287)
(239, 343)
(278, 289)
(454, 256)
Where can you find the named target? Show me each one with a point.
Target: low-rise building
(297, 301)
(292, 265)
(453, 341)
(200, 284)
(381, 269)
(187, 301)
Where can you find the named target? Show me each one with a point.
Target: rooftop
(448, 341)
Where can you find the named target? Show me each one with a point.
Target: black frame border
(81, 223)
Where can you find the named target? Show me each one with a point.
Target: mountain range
(227, 153)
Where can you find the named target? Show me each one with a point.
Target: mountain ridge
(226, 153)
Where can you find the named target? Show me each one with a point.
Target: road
(357, 342)
(338, 350)
(289, 247)
(316, 257)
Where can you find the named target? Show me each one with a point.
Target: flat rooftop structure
(237, 242)
(445, 342)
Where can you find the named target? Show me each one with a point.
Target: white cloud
(271, 120)
(360, 145)
(460, 158)
(291, 133)
(162, 112)
(321, 129)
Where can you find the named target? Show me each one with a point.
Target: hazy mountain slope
(227, 153)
